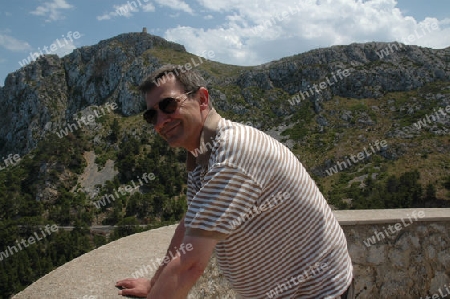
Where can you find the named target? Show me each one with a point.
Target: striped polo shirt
(277, 235)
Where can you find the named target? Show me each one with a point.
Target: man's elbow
(196, 270)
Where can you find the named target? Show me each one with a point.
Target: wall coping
(93, 274)
(361, 217)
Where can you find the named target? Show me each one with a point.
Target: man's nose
(161, 120)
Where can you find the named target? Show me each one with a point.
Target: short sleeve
(227, 193)
(193, 187)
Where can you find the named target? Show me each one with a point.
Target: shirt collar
(207, 136)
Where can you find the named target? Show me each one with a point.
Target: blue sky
(239, 32)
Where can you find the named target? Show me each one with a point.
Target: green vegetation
(40, 190)
(391, 193)
(212, 68)
(303, 117)
(318, 148)
(44, 188)
(22, 267)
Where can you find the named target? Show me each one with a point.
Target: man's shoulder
(226, 126)
(240, 142)
(245, 134)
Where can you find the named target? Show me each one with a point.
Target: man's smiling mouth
(169, 130)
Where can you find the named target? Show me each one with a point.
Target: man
(248, 197)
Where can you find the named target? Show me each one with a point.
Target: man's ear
(204, 98)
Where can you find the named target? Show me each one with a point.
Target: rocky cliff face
(46, 94)
(373, 69)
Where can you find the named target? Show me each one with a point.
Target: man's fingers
(126, 292)
(132, 292)
(126, 283)
(137, 287)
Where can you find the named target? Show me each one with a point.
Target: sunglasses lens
(149, 116)
(168, 106)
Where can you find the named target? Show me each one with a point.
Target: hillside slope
(370, 122)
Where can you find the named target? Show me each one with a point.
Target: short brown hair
(190, 79)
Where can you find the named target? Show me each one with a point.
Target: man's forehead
(152, 98)
(158, 93)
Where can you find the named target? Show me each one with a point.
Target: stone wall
(403, 253)
(411, 263)
(408, 257)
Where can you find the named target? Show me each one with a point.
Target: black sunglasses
(167, 106)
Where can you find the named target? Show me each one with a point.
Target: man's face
(183, 127)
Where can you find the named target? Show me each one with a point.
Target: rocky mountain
(370, 122)
(322, 103)
(45, 95)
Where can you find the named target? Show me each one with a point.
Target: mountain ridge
(80, 116)
(114, 67)
(288, 96)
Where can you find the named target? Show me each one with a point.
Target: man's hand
(181, 273)
(137, 287)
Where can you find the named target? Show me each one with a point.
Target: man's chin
(174, 142)
(174, 145)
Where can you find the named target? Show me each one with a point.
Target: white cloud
(148, 7)
(257, 32)
(176, 4)
(64, 47)
(11, 43)
(225, 5)
(106, 16)
(208, 17)
(52, 10)
(126, 10)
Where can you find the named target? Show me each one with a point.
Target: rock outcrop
(46, 94)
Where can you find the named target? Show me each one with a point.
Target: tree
(447, 183)
(115, 131)
(430, 192)
(127, 226)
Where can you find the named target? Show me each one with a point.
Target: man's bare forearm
(176, 241)
(175, 281)
(181, 273)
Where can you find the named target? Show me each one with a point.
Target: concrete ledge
(93, 275)
(355, 217)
